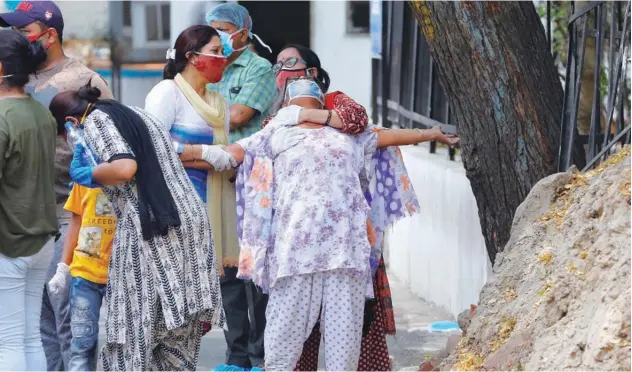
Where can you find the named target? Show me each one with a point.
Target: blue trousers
(85, 307)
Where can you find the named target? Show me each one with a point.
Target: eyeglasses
(288, 63)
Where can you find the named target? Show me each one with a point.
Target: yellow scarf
(220, 192)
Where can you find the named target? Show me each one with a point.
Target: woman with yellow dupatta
(198, 122)
(198, 119)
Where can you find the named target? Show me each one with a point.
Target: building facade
(338, 31)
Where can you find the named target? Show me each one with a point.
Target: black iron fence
(406, 88)
(407, 92)
(595, 117)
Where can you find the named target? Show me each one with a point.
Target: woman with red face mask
(344, 113)
(340, 110)
(198, 121)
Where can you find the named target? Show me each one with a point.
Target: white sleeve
(162, 101)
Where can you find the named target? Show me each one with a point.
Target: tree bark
(500, 77)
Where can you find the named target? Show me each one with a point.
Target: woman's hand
(216, 156)
(284, 139)
(80, 172)
(447, 139)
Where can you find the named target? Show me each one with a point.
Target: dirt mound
(559, 297)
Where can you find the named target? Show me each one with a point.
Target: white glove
(60, 279)
(287, 116)
(218, 158)
(285, 138)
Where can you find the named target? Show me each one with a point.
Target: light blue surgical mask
(227, 42)
(304, 88)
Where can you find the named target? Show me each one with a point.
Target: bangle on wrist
(423, 133)
(328, 118)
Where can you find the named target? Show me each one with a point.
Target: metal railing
(604, 24)
(407, 92)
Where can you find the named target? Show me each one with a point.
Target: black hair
(72, 103)
(193, 39)
(156, 206)
(312, 61)
(19, 57)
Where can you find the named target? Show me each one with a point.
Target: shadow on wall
(440, 252)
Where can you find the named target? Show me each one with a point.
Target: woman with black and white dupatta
(163, 280)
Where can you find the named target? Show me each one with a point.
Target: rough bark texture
(505, 92)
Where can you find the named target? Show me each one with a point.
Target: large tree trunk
(505, 92)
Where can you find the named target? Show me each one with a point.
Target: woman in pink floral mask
(340, 110)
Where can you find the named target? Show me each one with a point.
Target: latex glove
(216, 156)
(284, 139)
(80, 172)
(287, 116)
(60, 279)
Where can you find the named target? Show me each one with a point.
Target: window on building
(150, 21)
(358, 17)
(127, 13)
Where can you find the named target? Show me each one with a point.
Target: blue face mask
(304, 88)
(227, 42)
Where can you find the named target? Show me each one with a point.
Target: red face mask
(211, 66)
(283, 75)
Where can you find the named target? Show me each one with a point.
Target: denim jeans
(55, 318)
(21, 283)
(85, 306)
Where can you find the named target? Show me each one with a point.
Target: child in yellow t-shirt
(86, 256)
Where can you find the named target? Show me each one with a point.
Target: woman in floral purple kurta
(303, 226)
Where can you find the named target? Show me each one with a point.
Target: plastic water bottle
(75, 137)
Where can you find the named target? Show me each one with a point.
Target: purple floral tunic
(306, 210)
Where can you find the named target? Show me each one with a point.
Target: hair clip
(171, 54)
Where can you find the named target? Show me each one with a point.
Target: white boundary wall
(440, 252)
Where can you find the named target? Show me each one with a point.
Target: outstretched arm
(401, 137)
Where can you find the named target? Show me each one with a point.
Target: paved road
(409, 347)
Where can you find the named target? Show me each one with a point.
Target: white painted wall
(188, 13)
(85, 20)
(134, 89)
(347, 57)
(440, 252)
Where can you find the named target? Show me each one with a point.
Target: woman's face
(213, 47)
(299, 68)
(209, 61)
(291, 53)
